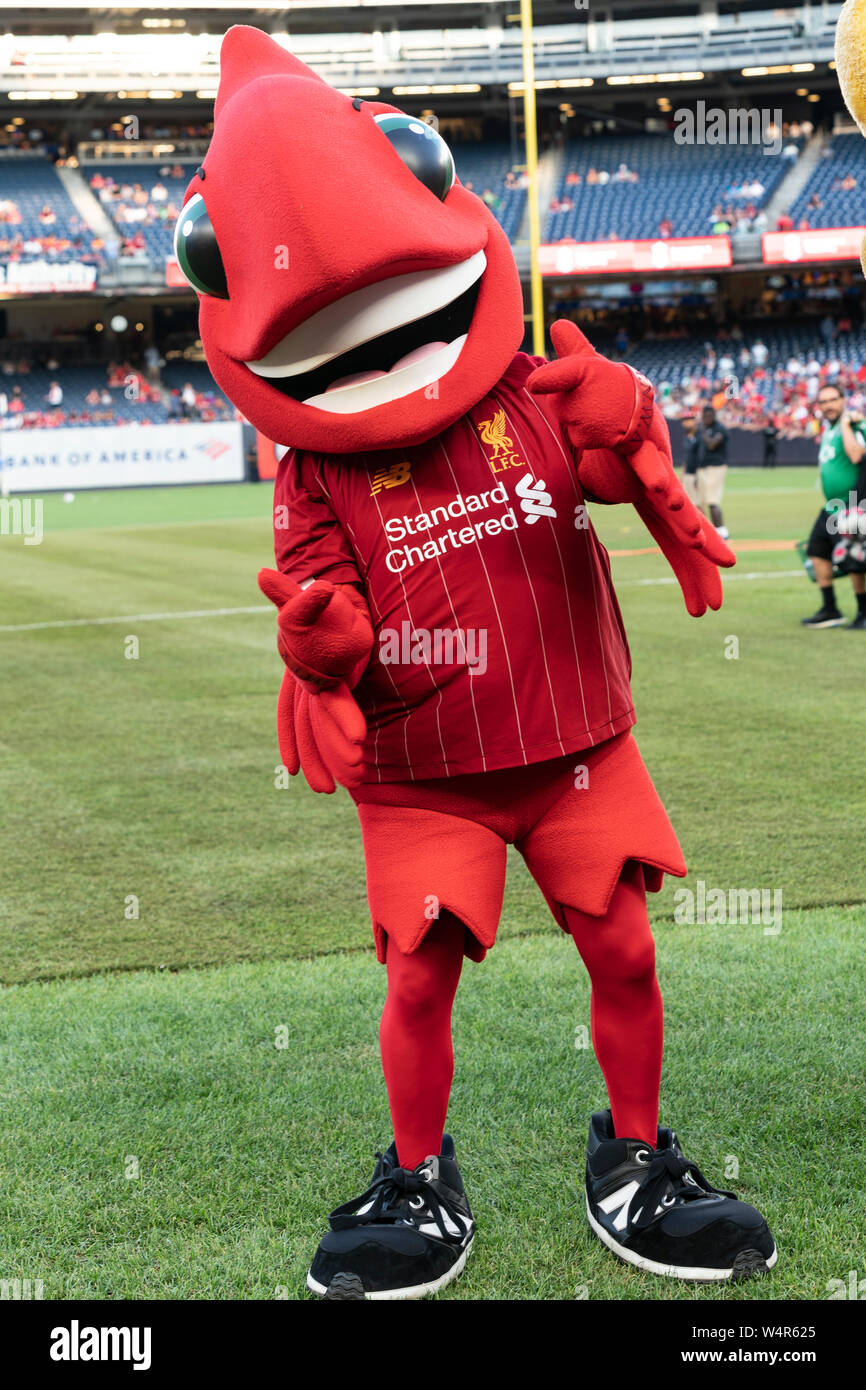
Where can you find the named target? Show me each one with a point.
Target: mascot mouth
(379, 343)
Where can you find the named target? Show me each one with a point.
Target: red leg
(626, 1011)
(415, 1036)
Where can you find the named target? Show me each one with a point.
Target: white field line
(149, 525)
(138, 618)
(726, 578)
(773, 491)
(269, 608)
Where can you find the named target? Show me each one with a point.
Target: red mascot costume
(454, 650)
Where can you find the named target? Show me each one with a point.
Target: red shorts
(440, 844)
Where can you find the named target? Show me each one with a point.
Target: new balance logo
(393, 476)
(619, 1202)
(535, 500)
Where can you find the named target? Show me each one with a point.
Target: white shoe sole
(831, 622)
(413, 1291)
(703, 1276)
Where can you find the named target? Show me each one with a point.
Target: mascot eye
(197, 252)
(422, 149)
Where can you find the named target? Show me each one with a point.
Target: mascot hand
(639, 469)
(689, 542)
(324, 634)
(325, 638)
(602, 404)
(691, 545)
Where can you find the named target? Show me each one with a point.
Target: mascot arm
(324, 635)
(622, 453)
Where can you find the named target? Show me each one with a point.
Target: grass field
(152, 1037)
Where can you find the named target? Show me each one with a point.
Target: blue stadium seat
(681, 183)
(484, 166)
(675, 360)
(158, 237)
(78, 382)
(845, 154)
(31, 184)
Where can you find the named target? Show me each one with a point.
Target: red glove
(325, 637)
(624, 455)
(603, 404)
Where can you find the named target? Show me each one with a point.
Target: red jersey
(498, 636)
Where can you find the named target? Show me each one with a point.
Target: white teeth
(366, 314)
(347, 400)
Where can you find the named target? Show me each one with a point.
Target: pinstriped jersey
(498, 636)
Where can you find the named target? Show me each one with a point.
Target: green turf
(242, 1147)
(155, 778)
(154, 506)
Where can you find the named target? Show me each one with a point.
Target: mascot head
(353, 295)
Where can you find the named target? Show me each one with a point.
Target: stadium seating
(31, 184)
(158, 234)
(78, 382)
(675, 360)
(485, 166)
(175, 375)
(844, 154)
(682, 183)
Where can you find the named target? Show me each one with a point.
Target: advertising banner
(46, 277)
(121, 456)
(820, 244)
(614, 257)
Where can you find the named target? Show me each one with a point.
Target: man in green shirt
(842, 461)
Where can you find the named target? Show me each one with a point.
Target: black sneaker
(656, 1210)
(858, 625)
(825, 617)
(408, 1235)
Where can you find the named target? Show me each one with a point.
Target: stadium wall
(746, 448)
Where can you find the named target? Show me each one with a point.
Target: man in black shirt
(771, 436)
(712, 465)
(690, 467)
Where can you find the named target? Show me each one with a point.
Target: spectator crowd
(50, 243)
(750, 392)
(132, 206)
